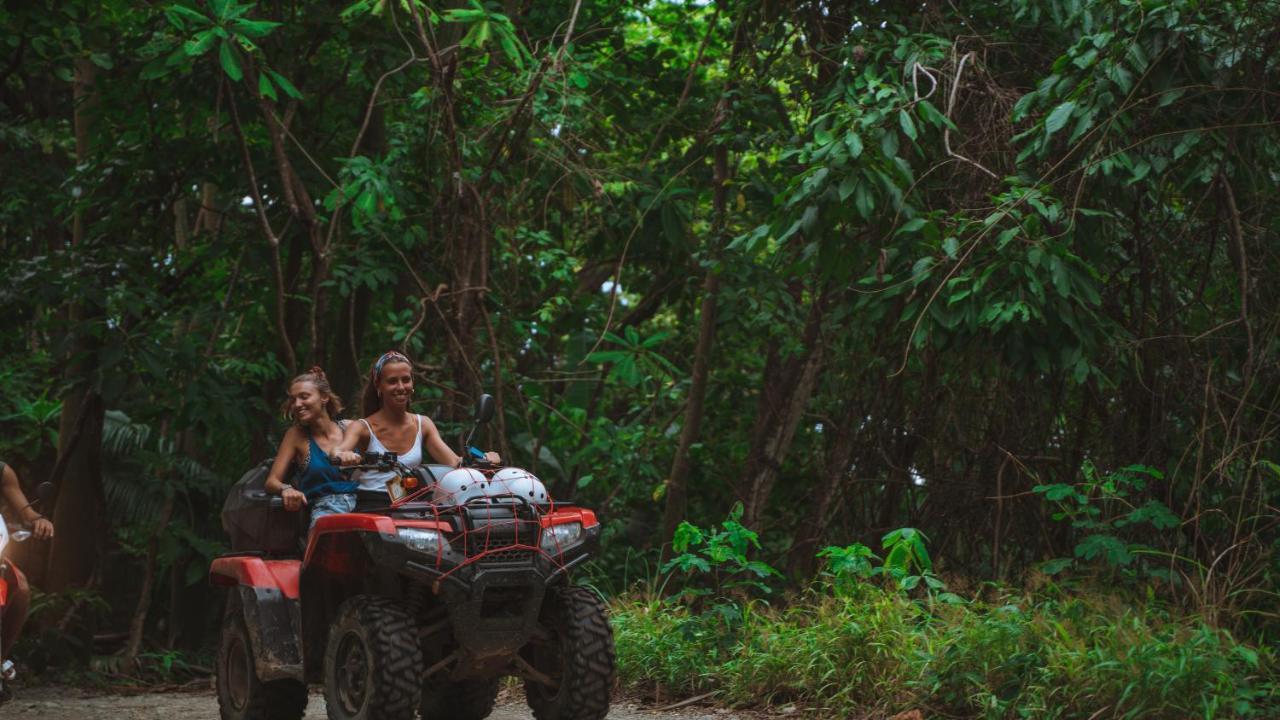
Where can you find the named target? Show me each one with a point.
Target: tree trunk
(345, 370)
(83, 100)
(787, 385)
(469, 270)
(208, 217)
(78, 514)
(78, 473)
(801, 559)
(677, 495)
(137, 626)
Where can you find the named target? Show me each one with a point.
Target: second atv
(422, 606)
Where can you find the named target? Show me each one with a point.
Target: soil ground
(62, 703)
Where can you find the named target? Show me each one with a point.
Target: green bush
(875, 650)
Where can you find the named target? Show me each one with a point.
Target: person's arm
(13, 495)
(355, 436)
(441, 451)
(436, 444)
(293, 499)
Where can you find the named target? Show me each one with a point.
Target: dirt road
(72, 704)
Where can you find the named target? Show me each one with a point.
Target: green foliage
(722, 555)
(906, 559)
(1102, 506)
(27, 409)
(231, 31)
(636, 361)
(1017, 656)
(950, 256)
(483, 23)
(906, 563)
(848, 565)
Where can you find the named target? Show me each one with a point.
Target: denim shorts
(332, 505)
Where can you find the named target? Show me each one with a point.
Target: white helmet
(521, 483)
(459, 486)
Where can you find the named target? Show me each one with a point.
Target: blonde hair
(315, 376)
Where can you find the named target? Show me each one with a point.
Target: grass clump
(875, 650)
(878, 636)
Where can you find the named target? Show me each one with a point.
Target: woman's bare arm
(11, 489)
(436, 444)
(355, 436)
(284, 455)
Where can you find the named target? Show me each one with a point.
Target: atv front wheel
(578, 657)
(241, 695)
(466, 700)
(372, 661)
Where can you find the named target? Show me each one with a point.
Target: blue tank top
(320, 477)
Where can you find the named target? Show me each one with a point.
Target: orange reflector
(410, 482)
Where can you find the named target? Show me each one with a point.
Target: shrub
(876, 650)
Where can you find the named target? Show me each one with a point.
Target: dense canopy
(993, 270)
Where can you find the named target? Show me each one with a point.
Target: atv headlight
(424, 541)
(558, 537)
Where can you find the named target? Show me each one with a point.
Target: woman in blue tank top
(306, 447)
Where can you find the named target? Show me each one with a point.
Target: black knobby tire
(579, 655)
(467, 700)
(372, 661)
(241, 695)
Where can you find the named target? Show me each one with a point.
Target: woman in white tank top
(390, 427)
(377, 479)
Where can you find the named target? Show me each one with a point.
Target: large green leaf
(230, 64)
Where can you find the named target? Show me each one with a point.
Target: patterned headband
(389, 356)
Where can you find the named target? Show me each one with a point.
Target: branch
(688, 84)
(951, 103)
(256, 193)
(1242, 262)
(526, 100)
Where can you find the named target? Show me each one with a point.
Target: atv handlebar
(473, 457)
(374, 461)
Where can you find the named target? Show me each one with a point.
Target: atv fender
(268, 595)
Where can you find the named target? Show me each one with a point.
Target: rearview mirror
(485, 406)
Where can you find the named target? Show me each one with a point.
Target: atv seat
(257, 522)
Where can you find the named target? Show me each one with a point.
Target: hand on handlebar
(346, 457)
(293, 499)
(42, 529)
(473, 457)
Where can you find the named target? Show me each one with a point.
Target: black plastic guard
(275, 628)
(498, 610)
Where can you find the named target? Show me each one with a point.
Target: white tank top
(377, 479)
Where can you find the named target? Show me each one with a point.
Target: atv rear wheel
(372, 661)
(578, 656)
(467, 700)
(241, 695)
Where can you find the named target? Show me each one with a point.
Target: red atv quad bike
(419, 606)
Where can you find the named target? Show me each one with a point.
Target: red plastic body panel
(18, 580)
(424, 524)
(570, 515)
(256, 572)
(345, 523)
(337, 558)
